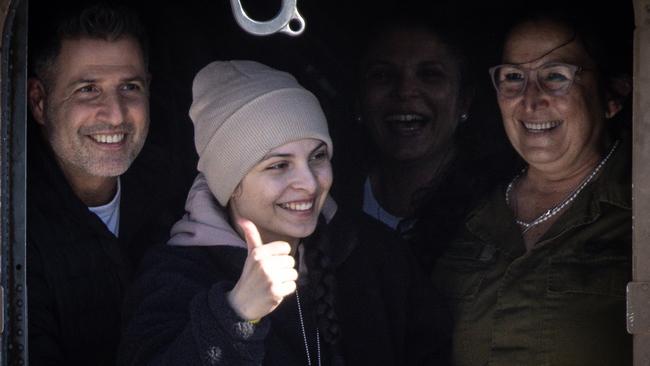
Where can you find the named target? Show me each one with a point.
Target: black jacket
(177, 313)
(77, 270)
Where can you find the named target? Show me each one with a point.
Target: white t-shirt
(372, 208)
(110, 212)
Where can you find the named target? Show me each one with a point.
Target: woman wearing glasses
(538, 275)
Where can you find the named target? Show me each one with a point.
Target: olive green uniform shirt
(563, 302)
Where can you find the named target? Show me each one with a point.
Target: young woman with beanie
(260, 270)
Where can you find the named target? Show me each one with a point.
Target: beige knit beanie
(241, 110)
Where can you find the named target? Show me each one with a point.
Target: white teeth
(404, 118)
(108, 139)
(541, 126)
(293, 206)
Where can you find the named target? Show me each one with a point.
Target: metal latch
(287, 21)
(638, 307)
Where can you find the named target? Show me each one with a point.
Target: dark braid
(323, 284)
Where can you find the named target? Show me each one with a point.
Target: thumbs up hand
(268, 275)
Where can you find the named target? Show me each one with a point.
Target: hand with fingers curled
(268, 275)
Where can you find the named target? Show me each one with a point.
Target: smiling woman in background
(412, 99)
(425, 165)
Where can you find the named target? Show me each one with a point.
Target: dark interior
(186, 35)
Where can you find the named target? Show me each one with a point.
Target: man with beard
(91, 212)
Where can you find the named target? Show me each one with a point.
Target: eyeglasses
(553, 78)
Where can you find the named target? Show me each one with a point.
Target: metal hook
(281, 22)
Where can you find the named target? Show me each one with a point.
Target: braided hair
(323, 284)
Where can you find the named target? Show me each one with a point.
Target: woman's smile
(300, 207)
(542, 126)
(284, 193)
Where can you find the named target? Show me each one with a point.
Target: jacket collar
(493, 221)
(48, 187)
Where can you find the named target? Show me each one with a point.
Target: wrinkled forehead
(538, 42)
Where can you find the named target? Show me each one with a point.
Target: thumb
(251, 234)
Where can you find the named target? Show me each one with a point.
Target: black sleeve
(178, 314)
(429, 321)
(420, 321)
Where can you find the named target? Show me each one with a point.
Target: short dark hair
(429, 17)
(104, 21)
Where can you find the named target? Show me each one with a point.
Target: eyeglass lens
(554, 79)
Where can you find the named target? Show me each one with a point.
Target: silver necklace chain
(560, 206)
(304, 334)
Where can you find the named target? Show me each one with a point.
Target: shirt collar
(493, 221)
